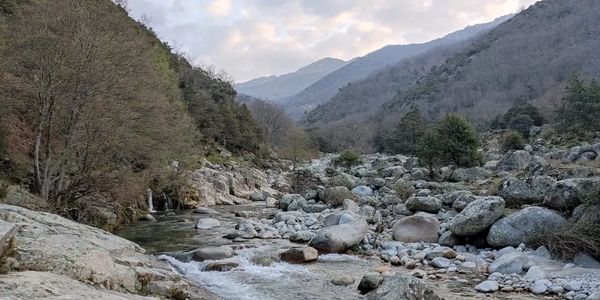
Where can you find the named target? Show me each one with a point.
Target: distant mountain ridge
(322, 90)
(274, 88)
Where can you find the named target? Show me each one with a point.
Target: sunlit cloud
(252, 38)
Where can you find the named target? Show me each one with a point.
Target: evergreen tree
(408, 133)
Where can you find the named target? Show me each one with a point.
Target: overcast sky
(253, 38)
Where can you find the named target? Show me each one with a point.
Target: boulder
(220, 267)
(420, 227)
(514, 161)
(66, 252)
(344, 180)
(288, 199)
(335, 195)
(351, 206)
(259, 196)
(477, 216)
(300, 255)
(461, 199)
(339, 238)
(208, 253)
(343, 280)
(370, 282)
(469, 174)
(302, 236)
(426, 204)
(524, 226)
(568, 193)
(363, 190)
(517, 192)
(488, 286)
(401, 287)
(207, 223)
(509, 263)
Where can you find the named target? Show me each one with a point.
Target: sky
(254, 38)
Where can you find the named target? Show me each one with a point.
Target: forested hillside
(321, 91)
(275, 88)
(521, 61)
(94, 106)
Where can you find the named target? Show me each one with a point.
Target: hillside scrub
(512, 140)
(95, 106)
(407, 134)
(580, 110)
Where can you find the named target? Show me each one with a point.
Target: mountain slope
(518, 62)
(277, 87)
(324, 89)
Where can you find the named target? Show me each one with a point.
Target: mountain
(322, 90)
(521, 61)
(277, 87)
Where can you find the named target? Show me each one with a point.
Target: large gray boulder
(345, 180)
(420, 227)
(569, 193)
(469, 174)
(517, 192)
(339, 238)
(53, 245)
(509, 263)
(524, 226)
(477, 216)
(514, 161)
(335, 195)
(426, 204)
(300, 255)
(288, 199)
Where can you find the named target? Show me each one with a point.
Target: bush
(521, 124)
(517, 115)
(347, 159)
(403, 189)
(512, 140)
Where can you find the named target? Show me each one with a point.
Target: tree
(297, 147)
(274, 122)
(452, 141)
(581, 106)
(521, 124)
(408, 133)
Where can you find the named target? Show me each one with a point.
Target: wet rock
(207, 223)
(302, 236)
(220, 267)
(300, 255)
(487, 286)
(509, 263)
(206, 211)
(335, 195)
(420, 227)
(400, 287)
(370, 282)
(477, 216)
(524, 226)
(339, 238)
(426, 204)
(148, 218)
(209, 253)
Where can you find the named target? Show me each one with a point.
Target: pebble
(440, 262)
(487, 286)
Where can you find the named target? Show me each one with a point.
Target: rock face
(421, 227)
(50, 244)
(300, 255)
(401, 287)
(336, 195)
(339, 238)
(426, 204)
(477, 216)
(524, 226)
(568, 193)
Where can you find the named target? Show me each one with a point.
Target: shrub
(512, 140)
(521, 124)
(347, 159)
(452, 141)
(403, 189)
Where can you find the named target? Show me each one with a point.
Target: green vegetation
(512, 140)
(580, 110)
(403, 189)
(452, 141)
(519, 119)
(347, 159)
(95, 107)
(405, 138)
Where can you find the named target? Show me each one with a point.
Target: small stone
(535, 273)
(469, 265)
(300, 255)
(220, 267)
(370, 282)
(343, 280)
(487, 286)
(395, 260)
(440, 262)
(557, 289)
(538, 287)
(573, 285)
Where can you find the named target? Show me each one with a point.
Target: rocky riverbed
(381, 229)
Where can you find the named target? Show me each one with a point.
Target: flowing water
(279, 280)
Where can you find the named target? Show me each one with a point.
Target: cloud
(252, 38)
